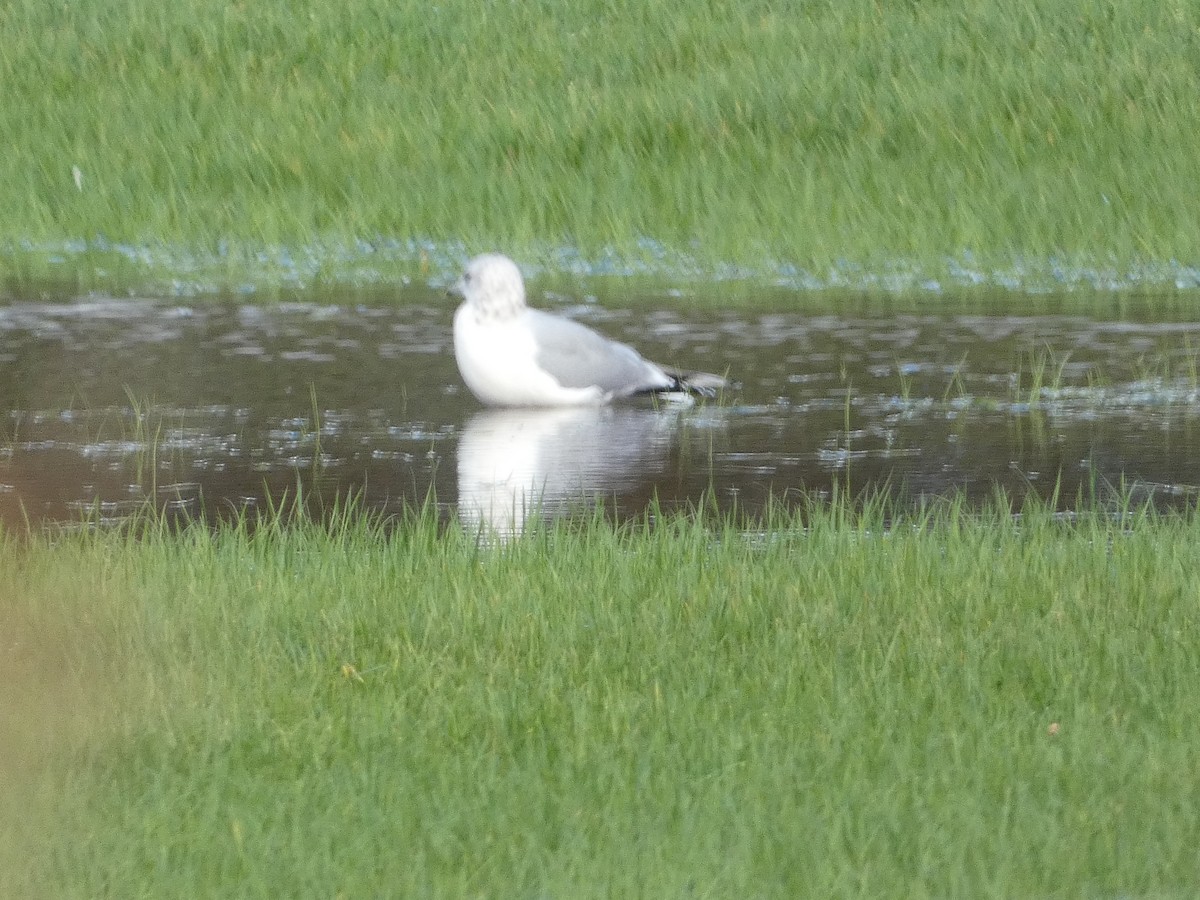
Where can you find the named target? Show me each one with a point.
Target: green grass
(1018, 136)
(964, 705)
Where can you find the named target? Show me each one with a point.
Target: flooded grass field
(207, 408)
(956, 702)
(974, 228)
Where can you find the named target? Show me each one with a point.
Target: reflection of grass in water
(817, 134)
(906, 383)
(1043, 379)
(1190, 366)
(684, 708)
(318, 461)
(10, 433)
(1180, 370)
(1046, 388)
(1042, 383)
(147, 434)
(955, 384)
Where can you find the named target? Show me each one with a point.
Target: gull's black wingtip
(703, 384)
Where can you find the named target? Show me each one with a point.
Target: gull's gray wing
(578, 357)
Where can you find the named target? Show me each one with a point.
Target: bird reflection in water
(514, 464)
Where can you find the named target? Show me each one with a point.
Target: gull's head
(492, 286)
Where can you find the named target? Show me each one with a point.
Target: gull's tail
(705, 384)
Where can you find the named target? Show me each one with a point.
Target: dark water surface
(216, 406)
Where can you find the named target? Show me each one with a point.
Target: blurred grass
(1044, 132)
(961, 704)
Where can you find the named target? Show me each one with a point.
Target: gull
(512, 355)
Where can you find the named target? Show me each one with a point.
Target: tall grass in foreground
(828, 134)
(955, 706)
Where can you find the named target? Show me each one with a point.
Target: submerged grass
(851, 135)
(957, 704)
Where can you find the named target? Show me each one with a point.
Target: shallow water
(210, 407)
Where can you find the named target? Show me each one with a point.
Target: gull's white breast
(498, 361)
